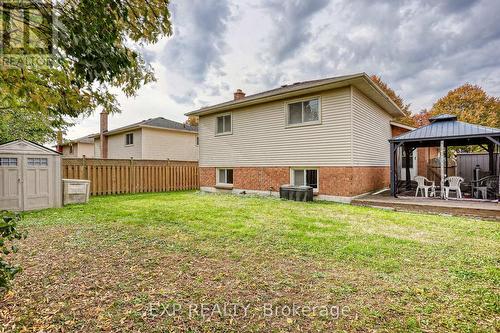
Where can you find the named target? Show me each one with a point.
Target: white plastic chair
(453, 185)
(424, 189)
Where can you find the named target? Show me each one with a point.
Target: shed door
(10, 182)
(37, 182)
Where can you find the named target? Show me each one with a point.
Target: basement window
(305, 177)
(225, 176)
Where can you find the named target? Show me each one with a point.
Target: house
(331, 134)
(78, 148)
(151, 139)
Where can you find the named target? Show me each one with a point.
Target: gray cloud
(198, 45)
(419, 47)
(292, 20)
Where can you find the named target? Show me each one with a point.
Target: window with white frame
(8, 161)
(197, 140)
(129, 139)
(225, 176)
(305, 177)
(303, 112)
(38, 161)
(224, 124)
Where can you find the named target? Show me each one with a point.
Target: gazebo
(443, 131)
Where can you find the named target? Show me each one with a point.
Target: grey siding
(371, 131)
(260, 137)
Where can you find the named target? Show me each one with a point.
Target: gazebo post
(491, 158)
(441, 162)
(407, 167)
(446, 174)
(392, 170)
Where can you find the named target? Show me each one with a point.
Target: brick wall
(261, 179)
(334, 181)
(207, 177)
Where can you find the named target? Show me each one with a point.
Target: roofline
(473, 136)
(139, 126)
(169, 129)
(395, 123)
(248, 101)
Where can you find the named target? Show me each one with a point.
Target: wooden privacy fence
(115, 176)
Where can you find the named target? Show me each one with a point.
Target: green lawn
(123, 262)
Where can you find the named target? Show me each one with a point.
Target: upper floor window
(129, 139)
(71, 149)
(224, 124)
(304, 112)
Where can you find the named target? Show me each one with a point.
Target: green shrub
(8, 234)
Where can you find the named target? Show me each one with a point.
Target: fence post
(169, 180)
(132, 176)
(85, 170)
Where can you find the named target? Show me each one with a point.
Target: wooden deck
(467, 207)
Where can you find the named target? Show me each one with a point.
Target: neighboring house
(331, 134)
(78, 147)
(151, 139)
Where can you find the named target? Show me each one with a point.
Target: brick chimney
(59, 141)
(103, 129)
(239, 94)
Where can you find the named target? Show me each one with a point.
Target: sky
(421, 48)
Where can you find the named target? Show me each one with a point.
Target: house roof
(360, 80)
(447, 127)
(84, 139)
(158, 122)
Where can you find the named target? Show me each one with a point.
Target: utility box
(76, 191)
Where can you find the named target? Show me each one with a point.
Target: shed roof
(447, 126)
(22, 146)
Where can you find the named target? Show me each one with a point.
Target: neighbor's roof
(158, 122)
(447, 126)
(361, 81)
(84, 139)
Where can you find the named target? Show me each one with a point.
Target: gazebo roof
(447, 127)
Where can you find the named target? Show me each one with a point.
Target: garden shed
(30, 176)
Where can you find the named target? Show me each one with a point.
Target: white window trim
(216, 121)
(308, 123)
(133, 139)
(292, 176)
(217, 180)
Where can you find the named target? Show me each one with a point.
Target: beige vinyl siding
(260, 136)
(86, 149)
(118, 149)
(371, 131)
(97, 148)
(66, 150)
(162, 144)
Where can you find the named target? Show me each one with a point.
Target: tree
(8, 233)
(95, 53)
(398, 100)
(471, 104)
(192, 121)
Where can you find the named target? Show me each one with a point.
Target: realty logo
(27, 31)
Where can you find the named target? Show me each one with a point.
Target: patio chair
(485, 185)
(423, 188)
(453, 185)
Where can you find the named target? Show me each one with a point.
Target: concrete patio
(483, 209)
